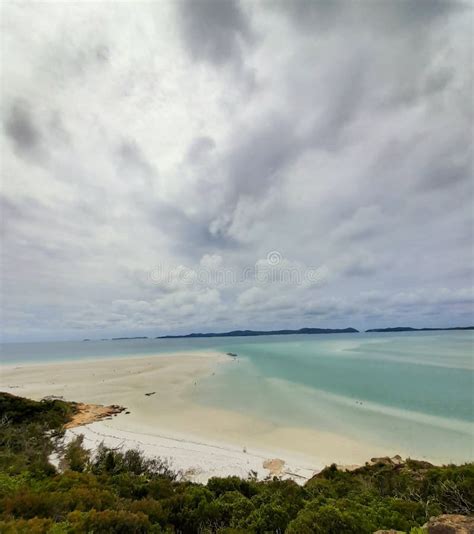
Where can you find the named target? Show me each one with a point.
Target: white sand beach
(162, 420)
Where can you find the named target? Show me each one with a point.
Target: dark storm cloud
(21, 129)
(214, 30)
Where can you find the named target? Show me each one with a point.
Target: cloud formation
(157, 156)
(214, 31)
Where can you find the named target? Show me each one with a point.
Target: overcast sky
(208, 165)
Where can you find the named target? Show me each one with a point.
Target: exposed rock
(192, 472)
(420, 464)
(396, 460)
(347, 467)
(450, 524)
(275, 466)
(89, 413)
(384, 460)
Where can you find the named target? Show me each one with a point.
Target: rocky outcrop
(386, 460)
(443, 524)
(275, 466)
(450, 524)
(89, 413)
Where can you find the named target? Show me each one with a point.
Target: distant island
(243, 333)
(124, 338)
(248, 333)
(410, 329)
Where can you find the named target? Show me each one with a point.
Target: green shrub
(110, 522)
(118, 492)
(76, 457)
(329, 520)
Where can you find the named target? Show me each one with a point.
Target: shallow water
(411, 392)
(408, 392)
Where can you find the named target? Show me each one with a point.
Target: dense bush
(28, 431)
(116, 492)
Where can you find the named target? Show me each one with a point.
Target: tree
(76, 457)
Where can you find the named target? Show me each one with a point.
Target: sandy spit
(161, 419)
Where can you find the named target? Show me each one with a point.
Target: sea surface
(412, 392)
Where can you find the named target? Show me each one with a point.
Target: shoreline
(206, 353)
(157, 416)
(162, 419)
(102, 383)
(192, 459)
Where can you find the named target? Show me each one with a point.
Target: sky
(210, 165)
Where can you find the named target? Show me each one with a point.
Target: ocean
(412, 391)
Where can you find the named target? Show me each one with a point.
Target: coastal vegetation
(122, 492)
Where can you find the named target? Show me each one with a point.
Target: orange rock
(89, 413)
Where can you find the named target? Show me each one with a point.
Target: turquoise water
(410, 391)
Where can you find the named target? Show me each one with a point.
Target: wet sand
(163, 420)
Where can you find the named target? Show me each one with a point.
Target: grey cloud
(58, 130)
(449, 171)
(261, 154)
(102, 53)
(350, 154)
(397, 55)
(168, 217)
(317, 14)
(411, 13)
(190, 236)
(214, 30)
(199, 148)
(437, 80)
(361, 265)
(9, 211)
(393, 16)
(251, 167)
(348, 90)
(20, 127)
(71, 57)
(366, 222)
(132, 163)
